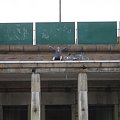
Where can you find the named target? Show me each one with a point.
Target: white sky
(48, 10)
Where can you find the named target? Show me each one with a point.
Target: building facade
(85, 85)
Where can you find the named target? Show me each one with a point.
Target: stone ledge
(61, 64)
(70, 48)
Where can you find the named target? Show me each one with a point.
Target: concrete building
(32, 87)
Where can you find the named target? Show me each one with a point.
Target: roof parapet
(70, 48)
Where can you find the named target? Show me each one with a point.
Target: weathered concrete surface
(70, 48)
(38, 59)
(82, 97)
(43, 52)
(35, 97)
(59, 66)
(44, 56)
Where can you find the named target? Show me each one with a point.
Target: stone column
(35, 97)
(82, 97)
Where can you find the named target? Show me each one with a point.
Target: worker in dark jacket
(58, 53)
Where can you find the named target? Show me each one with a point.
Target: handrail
(45, 62)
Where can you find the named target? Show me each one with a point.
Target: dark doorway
(15, 112)
(101, 113)
(58, 112)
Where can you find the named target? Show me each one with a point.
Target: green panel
(97, 32)
(16, 33)
(55, 33)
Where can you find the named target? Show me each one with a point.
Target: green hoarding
(97, 32)
(55, 33)
(16, 33)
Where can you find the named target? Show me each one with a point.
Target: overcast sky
(48, 10)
